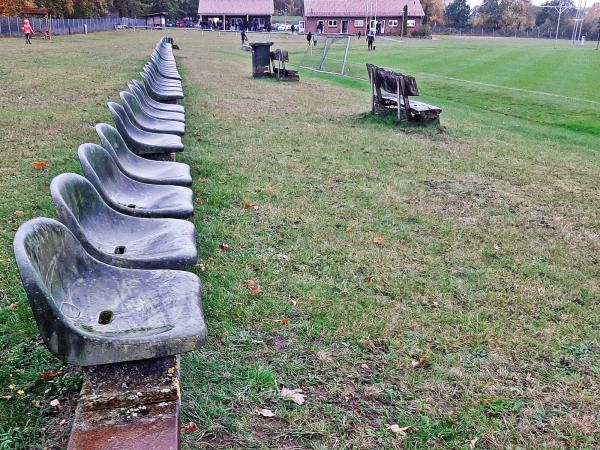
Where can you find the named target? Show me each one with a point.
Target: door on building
(344, 27)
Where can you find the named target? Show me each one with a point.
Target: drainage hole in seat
(120, 250)
(105, 317)
(132, 206)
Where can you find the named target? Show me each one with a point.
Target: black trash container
(261, 59)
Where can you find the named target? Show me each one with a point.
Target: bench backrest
(389, 81)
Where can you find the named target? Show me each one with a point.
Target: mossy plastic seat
(129, 196)
(143, 142)
(143, 99)
(160, 83)
(157, 93)
(140, 118)
(156, 104)
(118, 239)
(162, 80)
(166, 69)
(91, 313)
(138, 168)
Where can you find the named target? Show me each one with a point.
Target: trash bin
(261, 59)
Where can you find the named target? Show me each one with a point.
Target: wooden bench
(283, 74)
(392, 90)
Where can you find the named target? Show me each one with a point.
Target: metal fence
(548, 32)
(11, 26)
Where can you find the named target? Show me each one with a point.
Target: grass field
(487, 273)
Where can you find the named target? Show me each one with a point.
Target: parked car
(180, 24)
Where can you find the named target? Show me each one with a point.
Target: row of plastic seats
(101, 282)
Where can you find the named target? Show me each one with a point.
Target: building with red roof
(233, 13)
(354, 16)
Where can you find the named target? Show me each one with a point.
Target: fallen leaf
(293, 395)
(49, 374)
(223, 247)
(39, 164)
(199, 201)
(201, 266)
(62, 422)
(364, 366)
(348, 230)
(171, 371)
(55, 403)
(397, 430)
(249, 205)
(378, 240)
(421, 362)
(252, 286)
(20, 392)
(12, 386)
(7, 397)
(189, 427)
(264, 412)
(19, 213)
(36, 404)
(284, 321)
(473, 443)
(13, 306)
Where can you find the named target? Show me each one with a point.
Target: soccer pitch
(444, 280)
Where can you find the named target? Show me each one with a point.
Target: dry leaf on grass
(378, 240)
(39, 164)
(19, 213)
(55, 403)
(49, 374)
(13, 306)
(284, 321)
(250, 205)
(348, 230)
(252, 286)
(294, 395)
(264, 412)
(223, 247)
(199, 201)
(473, 443)
(421, 362)
(201, 266)
(189, 427)
(397, 430)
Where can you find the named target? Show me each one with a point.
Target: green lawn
(488, 270)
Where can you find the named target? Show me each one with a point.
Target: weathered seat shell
(138, 116)
(165, 68)
(138, 168)
(118, 239)
(165, 82)
(170, 107)
(129, 196)
(157, 93)
(151, 110)
(143, 142)
(91, 313)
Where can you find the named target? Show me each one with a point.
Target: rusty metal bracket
(129, 406)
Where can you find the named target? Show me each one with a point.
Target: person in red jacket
(28, 30)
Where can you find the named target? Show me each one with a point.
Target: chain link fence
(547, 32)
(11, 26)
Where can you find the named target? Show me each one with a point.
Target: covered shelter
(354, 16)
(157, 20)
(252, 15)
(41, 21)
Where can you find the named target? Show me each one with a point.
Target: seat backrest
(131, 105)
(124, 124)
(102, 171)
(50, 261)
(112, 141)
(78, 203)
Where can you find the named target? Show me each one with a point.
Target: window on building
(392, 23)
(359, 23)
(332, 23)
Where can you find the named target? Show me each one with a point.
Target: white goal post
(327, 53)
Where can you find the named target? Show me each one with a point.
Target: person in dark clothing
(244, 37)
(378, 28)
(370, 39)
(359, 34)
(309, 38)
(293, 29)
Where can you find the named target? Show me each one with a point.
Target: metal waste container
(261, 59)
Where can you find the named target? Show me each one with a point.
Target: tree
(516, 14)
(491, 14)
(434, 11)
(549, 16)
(457, 14)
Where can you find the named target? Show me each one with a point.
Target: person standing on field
(370, 39)
(28, 30)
